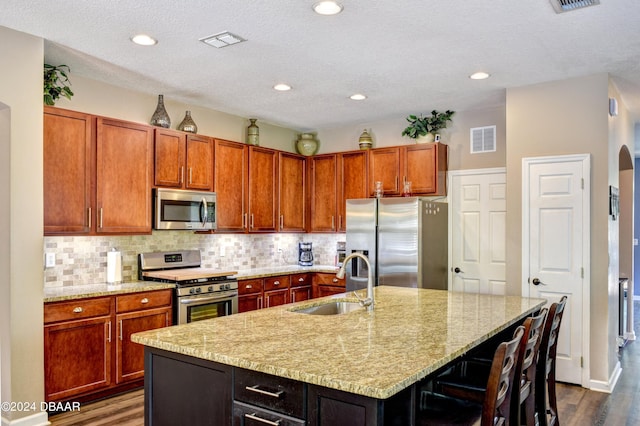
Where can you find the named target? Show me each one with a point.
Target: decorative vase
(253, 133)
(187, 124)
(428, 138)
(160, 117)
(365, 141)
(307, 144)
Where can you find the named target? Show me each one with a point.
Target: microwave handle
(206, 212)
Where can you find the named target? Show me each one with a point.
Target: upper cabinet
(323, 192)
(183, 160)
(69, 172)
(292, 192)
(352, 179)
(231, 177)
(263, 189)
(124, 162)
(424, 165)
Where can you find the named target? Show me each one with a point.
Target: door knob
(536, 281)
(457, 270)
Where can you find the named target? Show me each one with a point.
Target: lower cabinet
(300, 287)
(325, 284)
(87, 347)
(276, 291)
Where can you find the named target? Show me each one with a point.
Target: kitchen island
(279, 364)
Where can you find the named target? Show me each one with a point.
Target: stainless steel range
(201, 293)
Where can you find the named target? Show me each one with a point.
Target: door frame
(451, 174)
(585, 159)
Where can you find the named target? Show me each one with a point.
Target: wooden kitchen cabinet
(87, 348)
(250, 294)
(276, 291)
(352, 176)
(183, 160)
(385, 165)
(292, 193)
(263, 189)
(326, 284)
(301, 287)
(69, 172)
(323, 193)
(230, 185)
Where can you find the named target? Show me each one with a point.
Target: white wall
(21, 92)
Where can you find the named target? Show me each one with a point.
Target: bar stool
(545, 401)
(496, 404)
(467, 379)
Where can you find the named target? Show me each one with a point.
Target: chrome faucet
(368, 302)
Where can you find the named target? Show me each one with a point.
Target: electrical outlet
(223, 251)
(50, 260)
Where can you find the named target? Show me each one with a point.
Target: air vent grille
(561, 6)
(483, 139)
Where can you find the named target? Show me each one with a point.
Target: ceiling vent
(561, 6)
(483, 139)
(223, 39)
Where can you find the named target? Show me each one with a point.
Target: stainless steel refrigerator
(406, 241)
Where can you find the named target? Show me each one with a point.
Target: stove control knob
(210, 289)
(198, 290)
(192, 290)
(227, 286)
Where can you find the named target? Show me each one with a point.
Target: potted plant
(56, 83)
(427, 127)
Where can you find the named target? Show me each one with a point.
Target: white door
(555, 197)
(478, 213)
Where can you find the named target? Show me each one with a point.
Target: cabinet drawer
(248, 415)
(300, 279)
(250, 286)
(329, 279)
(76, 309)
(274, 393)
(143, 300)
(275, 283)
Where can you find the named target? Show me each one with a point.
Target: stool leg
(553, 405)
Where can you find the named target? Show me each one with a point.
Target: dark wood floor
(577, 406)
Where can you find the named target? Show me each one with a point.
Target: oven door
(200, 307)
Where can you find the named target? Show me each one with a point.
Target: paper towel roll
(114, 266)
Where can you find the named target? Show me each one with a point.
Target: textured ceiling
(407, 56)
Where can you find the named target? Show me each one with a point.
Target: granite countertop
(58, 294)
(410, 334)
(283, 270)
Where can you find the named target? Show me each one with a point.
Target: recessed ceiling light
(327, 7)
(222, 39)
(281, 87)
(358, 97)
(479, 76)
(144, 40)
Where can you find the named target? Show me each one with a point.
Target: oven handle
(208, 298)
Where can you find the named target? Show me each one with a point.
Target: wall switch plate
(635, 241)
(49, 260)
(222, 251)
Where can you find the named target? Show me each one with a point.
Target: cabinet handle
(335, 280)
(300, 280)
(190, 175)
(100, 224)
(254, 416)
(244, 221)
(333, 223)
(256, 388)
(145, 300)
(109, 336)
(397, 186)
(89, 216)
(248, 286)
(281, 221)
(181, 175)
(120, 330)
(276, 282)
(251, 220)
(340, 222)
(293, 297)
(78, 310)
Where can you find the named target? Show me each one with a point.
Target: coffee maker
(305, 254)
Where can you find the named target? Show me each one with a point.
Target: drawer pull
(254, 416)
(145, 300)
(300, 280)
(276, 282)
(78, 310)
(248, 286)
(335, 280)
(255, 388)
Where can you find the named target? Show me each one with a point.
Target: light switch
(50, 260)
(222, 251)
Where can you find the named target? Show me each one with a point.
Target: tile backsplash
(83, 260)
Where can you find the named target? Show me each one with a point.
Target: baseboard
(607, 387)
(37, 419)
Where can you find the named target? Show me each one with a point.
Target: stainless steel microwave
(179, 209)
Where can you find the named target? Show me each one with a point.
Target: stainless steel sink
(329, 308)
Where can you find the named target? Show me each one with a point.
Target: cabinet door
(426, 168)
(298, 294)
(385, 166)
(77, 357)
(263, 188)
(328, 290)
(68, 172)
(124, 176)
(169, 158)
(323, 193)
(199, 171)
(129, 355)
(292, 193)
(250, 302)
(276, 297)
(230, 179)
(354, 184)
